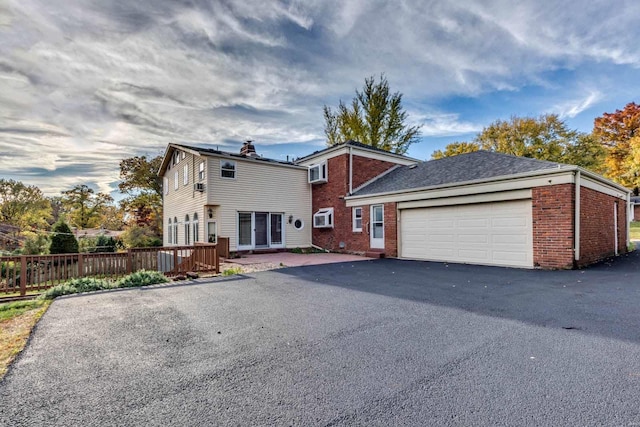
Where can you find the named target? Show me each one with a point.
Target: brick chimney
(248, 149)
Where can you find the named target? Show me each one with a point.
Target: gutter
(350, 170)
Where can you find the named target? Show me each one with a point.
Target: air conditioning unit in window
(318, 173)
(198, 186)
(323, 218)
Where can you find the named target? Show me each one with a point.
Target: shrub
(63, 241)
(231, 271)
(140, 237)
(141, 278)
(76, 286)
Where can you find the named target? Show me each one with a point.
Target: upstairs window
(318, 173)
(201, 171)
(185, 175)
(176, 182)
(227, 169)
(165, 184)
(323, 218)
(357, 219)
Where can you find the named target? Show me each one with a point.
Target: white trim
(467, 200)
(358, 151)
(465, 189)
(228, 169)
(355, 228)
(376, 242)
(587, 182)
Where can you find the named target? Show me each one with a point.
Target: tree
(375, 117)
(617, 132)
(62, 240)
(139, 237)
(456, 148)
(141, 183)
(545, 138)
(23, 206)
(85, 206)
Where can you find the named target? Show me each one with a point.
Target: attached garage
(495, 209)
(498, 233)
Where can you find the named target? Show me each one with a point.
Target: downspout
(576, 232)
(629, 216)
(350, 170)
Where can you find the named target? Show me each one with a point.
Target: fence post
(216, 256)
(23, 275)
(129, 261)
(80, 265)
(175, 261)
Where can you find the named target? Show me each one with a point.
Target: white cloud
(574, 107)
(109, 79)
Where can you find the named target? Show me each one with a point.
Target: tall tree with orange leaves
(619, 133)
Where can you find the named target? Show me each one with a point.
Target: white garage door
(496, 233)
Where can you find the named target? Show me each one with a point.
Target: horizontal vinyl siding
(260, 187)
(178, 203)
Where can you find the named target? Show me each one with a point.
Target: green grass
(10, 310)
(634, 230)
(232, 271)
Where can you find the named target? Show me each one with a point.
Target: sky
(86, 83)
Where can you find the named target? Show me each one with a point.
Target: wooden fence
(29, 273)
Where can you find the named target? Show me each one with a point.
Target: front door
(261, 229)
(377, 227)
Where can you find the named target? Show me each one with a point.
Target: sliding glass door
(260, 230)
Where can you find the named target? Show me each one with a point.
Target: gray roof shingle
(449, 170)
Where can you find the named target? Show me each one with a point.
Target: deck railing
(29, 273)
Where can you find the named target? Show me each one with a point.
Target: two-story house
(257, 203)
(479, 208)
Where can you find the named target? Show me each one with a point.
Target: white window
(196, 228)
(318, 173)
(201, 172)
(211, 232)
(357, 219)
(165, 184)
(227, 169)
(187, 230)
(184, 154)
(175, 230)
(176, 182)
(170, 232)
(176, 157)
(323, 218)
(185, 175)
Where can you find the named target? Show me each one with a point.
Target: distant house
(257, 203)
(635, 208)
(478, 208)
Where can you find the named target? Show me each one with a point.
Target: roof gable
(449, 170)
(363, 148)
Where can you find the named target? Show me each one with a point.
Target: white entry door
(376, 225)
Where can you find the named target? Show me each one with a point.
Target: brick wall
(332, 193)
(636, 212)
(597, 236)
(552, 215)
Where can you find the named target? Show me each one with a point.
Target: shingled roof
(450, 170)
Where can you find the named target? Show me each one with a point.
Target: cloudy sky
(85, 83)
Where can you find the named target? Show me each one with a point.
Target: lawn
(16, 321)
(635, 230)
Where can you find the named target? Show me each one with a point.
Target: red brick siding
(365, 169)
(331, 194)
(636, 212)
(597, 236)
(390, 229)
(552, 215)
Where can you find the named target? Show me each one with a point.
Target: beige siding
(185, 200)
(261, 187)
(258, 187)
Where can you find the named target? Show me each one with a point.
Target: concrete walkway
(289, 259)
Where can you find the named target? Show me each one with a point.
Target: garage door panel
(491, 233)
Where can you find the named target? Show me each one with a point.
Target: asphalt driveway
(381, 342)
